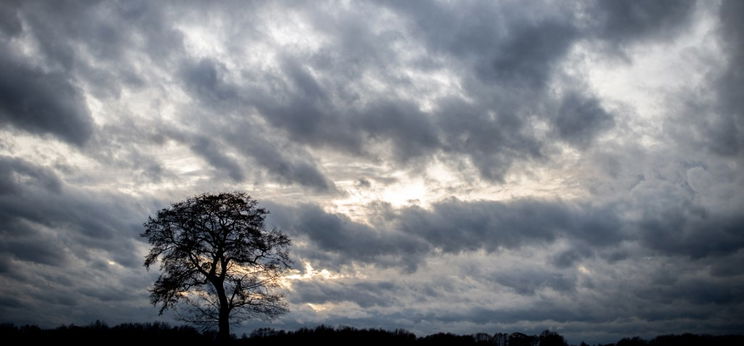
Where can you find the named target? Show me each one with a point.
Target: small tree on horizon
(218, 258)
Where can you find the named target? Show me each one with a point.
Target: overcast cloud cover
(463, 166)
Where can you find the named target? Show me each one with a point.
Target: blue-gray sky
(464, 166)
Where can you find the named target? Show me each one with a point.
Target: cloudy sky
(458, 166)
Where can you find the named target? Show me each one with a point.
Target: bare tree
(217, 257)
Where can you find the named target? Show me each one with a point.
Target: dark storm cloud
(311, 116)
(729, 267)
(667, 304)
(109, 33)
(507, 67)
(725, 130)
(33, 198)
(624, 22)
(410, 131)
(679, 298)
(576, 252)
(13, 170)
(348, 240)
(228, 104)
(409, 235)
(204, 81)
(511, 66)
(494, 45)
(455, 226)
(42, 102)
(307, 112)
(405, 237)
(300, 106)
(30, 245)
(211, 151)
(507, 61)
(91, 43)
(526, 58)
(693, 232)
(698, 291)
(365, 294)
(283, 163)
(10, 24)
(66, 248)
(580, 118)
(474, 133)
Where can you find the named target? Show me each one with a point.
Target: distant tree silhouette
(218, 258)
(100, 334)
(162, 334)
(446, 339)
(548, 338)
(634, 341)
(519, 339)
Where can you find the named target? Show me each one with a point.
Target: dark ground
(164, 334)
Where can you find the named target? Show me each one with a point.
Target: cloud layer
(477, 166)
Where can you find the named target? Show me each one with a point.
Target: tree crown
(216, 254)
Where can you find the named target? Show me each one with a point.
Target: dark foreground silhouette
(163, 334)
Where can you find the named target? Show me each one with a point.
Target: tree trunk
(224, 326)
(223, 334)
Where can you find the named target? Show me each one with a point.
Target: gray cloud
(65, 248)
(10, 24)
(408, 236)
(725, 129)
(33, 246)
(204, 81)
(508, 65)
(320, 110)
(13, 170)
(526, 58)
(35, 202)
(455, 226)
(528, 282)
(580, 118)
(308, 117)
(65, 40)
(693, 232)
(713, 118)
(348, 240)
(42, 102)
(283, 163)
(210, 151)
(625, 22)
(364, 294)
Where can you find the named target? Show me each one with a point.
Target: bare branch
(212, 245)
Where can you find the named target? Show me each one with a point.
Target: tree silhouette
(218, 258)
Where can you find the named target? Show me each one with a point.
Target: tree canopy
(217, 256)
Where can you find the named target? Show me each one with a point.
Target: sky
(456, 166)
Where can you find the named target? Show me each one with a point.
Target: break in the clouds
(441, 166)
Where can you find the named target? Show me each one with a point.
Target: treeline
(139, 334)
(100, 334)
